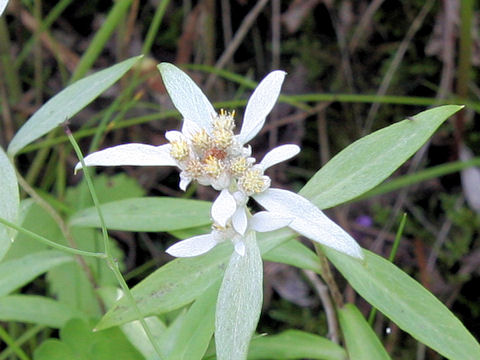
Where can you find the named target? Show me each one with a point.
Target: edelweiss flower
(207, 151)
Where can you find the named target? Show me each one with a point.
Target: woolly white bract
(206, 150)
(3, 6)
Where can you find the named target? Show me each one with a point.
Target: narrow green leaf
(36, 310)
(294, 253)
(407, 303)
(67, 103)
(18, 272)
(371, 159)
(147, 214)
(197, 327)
(239, 302)
(139, 339)
(9, 201)
(362, 342)
(295, 344)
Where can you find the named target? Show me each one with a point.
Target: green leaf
(110, 344)
(239, 302)
(134, 330)
(34, 218)
(147, 214)
(138, 338)
(18, 272)
(371, 159)
(362, 342)
(37, 310)
(9, 201)
(295, 344)
(197, 327)
(181, 281)
(114, 346)
(80, 342)
(70, 284)
(173, 286)
(294, 253)
(67, 103)
(78, 336)
(407, 303)
(108, 188)
(54, 349)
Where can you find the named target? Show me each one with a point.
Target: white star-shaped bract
(207, 150)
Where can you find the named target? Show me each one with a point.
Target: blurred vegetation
(410, 54)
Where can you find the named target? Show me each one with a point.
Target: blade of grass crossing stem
(22, 339)
(101, 128)
(110, 260)
(80, 134)
(245, 82)
(7, 339)
(393, 252)
(116, 14)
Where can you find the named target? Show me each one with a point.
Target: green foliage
(294, 253)
(370, 160)
(407, 303)
(465, 225)
(36, 310)
(361, 341)
(295, 344)
(172, 286)
(18, 272)
(185, 300)
(146, 214)
(79, 342)
(108, 188)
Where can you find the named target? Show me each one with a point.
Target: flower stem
(328, 277)
(322, 291)
(51, 243)
(113, 264)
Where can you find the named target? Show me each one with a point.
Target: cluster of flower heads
(208, 151)
(217, 159)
